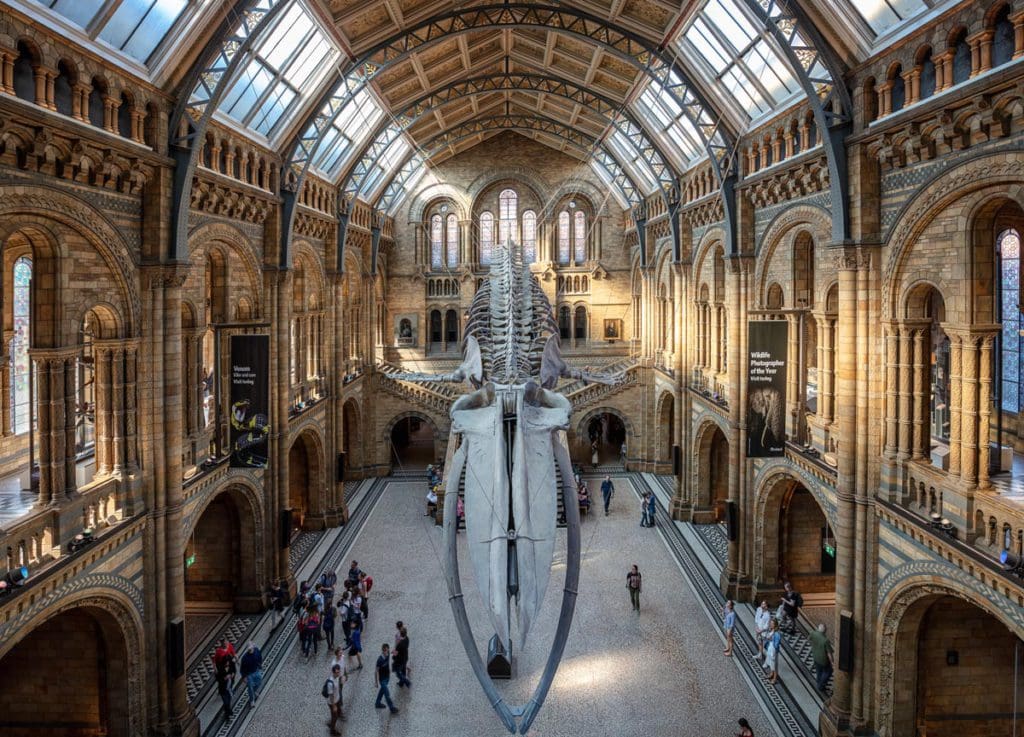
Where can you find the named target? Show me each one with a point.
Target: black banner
(250, 398)
(766, 388)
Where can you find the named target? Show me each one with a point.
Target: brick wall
(216, 546)
(802, 558)
(63, 679)
(975, 697)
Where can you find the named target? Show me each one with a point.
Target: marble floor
(659, 673)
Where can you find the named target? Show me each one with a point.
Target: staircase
(586, 393)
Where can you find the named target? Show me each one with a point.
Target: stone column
(830, 368)
(984, 412)
(117, 408)
(1018, 33)
(891, 393)
(131, 373)
(955, 373)
(921, 396)
(905, 393)
(969, 411)
(102, 379)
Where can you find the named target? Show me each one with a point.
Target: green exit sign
(189, 561)
(831, 551)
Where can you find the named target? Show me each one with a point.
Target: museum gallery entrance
(412, 443)
(607, 432)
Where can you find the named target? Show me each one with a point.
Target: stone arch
(246, 503)
(914, 298)
(666, 414)
(774, 484)
(519, 174)
(436, 192)
(46, 210)
(902, 607)
(117, 617)
(781, 233)
(204, 237)
(710, 442)
(579, 188)
(440, 438)
(633, 441)
(307, 482)
(352, 434)
(713, 238)
(971, 183)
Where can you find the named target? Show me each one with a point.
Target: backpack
(328, 689)
(799, 600)
(368, 583)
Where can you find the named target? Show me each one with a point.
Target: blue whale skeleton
(509, 438)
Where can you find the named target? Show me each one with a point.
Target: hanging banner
(250, 400)
(766, 388)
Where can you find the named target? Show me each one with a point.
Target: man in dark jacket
(251, 669)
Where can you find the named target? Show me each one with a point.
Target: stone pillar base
(250, 603)
(185, 726)
(680, 510)
(315, 522)
(734, 587)
(703, 516)
(831, 724)
(770, 591)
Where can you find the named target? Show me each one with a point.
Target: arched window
(85, 390)
(899, 88)
(529, 237)
(564, 323)
(1008, 249)
(435, 326)
(97, 111)
(62, 89)
(20, 364)
(580, 332)
(563, 237)
(508, 203)
(961, 58)
(435, 243)
(1002, 40)
(24, 74)
(124, 123)
(453, 240)
(486, 237)
(580, 236)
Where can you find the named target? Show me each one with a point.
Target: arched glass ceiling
(134, 27)
(344, 138)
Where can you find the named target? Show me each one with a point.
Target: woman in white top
(761, 620)
(339, 659)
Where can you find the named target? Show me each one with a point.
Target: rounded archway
(222, 566)
(666, 428)
(797, 542)
(604, 431)
(712, 475)
(306, 482)
(350, 433)
(412, 439)
(955, 665)
(94, 663)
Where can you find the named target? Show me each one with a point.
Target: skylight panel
(631, 161)
(882, 15)
(386, 164)
(134, 27)
(289, 61)
(343, 139)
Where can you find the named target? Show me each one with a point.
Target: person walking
(310, 632)
(728, 625)
(223, 687)
(355, 648)
(353, 572)
(643, 510)
(328, 626)
(772, 650)
(821, 654)
(381, 678)
(622, 454)
(761, 620)
(745, 730)
(365, 586)
(607, 492)
(634, 581)
(339, 660)
(651, 506)
(251, 670)
(332, 692)
(595, 455)
(224, 656)
(278, 593)
(791, 603)
(401, 659)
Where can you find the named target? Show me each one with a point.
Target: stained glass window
(20, 362)
(1008, 246)
(486, 238)
(508, 202)
(563, 237)
(435, 243)
(580, 236)
(453, 240)
(529, 236)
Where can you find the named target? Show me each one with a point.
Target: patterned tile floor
(659, 674)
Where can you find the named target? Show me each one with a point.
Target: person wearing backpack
(310, 630)
(355, 649)
(791, 603)
(344, 609)
(332, 692)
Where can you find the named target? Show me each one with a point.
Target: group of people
(648, 505)
(229, 669)
(768, 627)
(318, 614)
